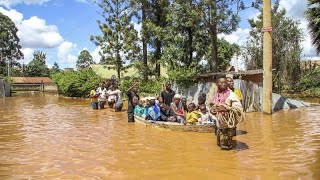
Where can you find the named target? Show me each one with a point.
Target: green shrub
(150, 87)
(76, 83)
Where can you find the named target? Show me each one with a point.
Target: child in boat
(201, 100)
(166, 113)
(140, 109)
(205, 116)
(193, 115)
(176, 107)
(159, 101)
(94, 98)
(153, 111)
(184, 104)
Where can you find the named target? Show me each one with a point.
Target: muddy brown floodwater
(44, 136)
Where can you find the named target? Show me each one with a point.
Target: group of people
(106, 93)
(172, 107)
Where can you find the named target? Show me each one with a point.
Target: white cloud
(296, 9)
(34, 32)
(65, 56)
(10, 3)
(28, 55)
(239, 37)
(82, 1)
(95, 55)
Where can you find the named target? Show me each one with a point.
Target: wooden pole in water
(267, 58)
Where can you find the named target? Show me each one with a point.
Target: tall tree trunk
(214, 50)
(144, 42)
(190, 40)
(157, 40)
(158, 56)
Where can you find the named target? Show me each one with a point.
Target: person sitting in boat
(167, 94)
(193, 115)
(159, 101)
(201, 100)
(176, 107)
(184, 104)
(228, 111)
(140, 109)
(166, 114)
(153, 111)
(205, 116)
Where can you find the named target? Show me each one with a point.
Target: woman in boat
(177, 108)
(228, 111)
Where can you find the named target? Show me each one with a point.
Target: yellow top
(192, 117)
(238, 93)
(92, 93)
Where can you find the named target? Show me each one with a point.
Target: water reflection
(46, 136)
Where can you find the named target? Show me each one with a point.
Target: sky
(62, 28)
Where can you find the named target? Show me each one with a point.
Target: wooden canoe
(176, 126)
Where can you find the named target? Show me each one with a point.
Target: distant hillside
(106, 71)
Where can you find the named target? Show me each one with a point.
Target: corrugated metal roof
(31, 80)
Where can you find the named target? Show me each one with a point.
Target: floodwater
(44, 136)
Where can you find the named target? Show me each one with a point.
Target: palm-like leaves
(313, 16)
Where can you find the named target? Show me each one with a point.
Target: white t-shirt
(103, 95)
(112, 95)
(119, 100)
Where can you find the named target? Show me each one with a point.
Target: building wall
(252, 95)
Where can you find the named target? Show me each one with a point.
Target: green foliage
(9, 44)
(183, 76)
(286, 48)
(84, 60)
(76, 83)
(219, 16)
(37, 67)
(119, 41)
(55, 69)
(313, 16)
(151, 87)
(310, 80)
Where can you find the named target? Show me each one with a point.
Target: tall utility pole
(267, 58)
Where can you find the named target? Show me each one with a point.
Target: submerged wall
(252, 95)
(5, 88)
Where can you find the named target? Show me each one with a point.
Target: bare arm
(134, 85)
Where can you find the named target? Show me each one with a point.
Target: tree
(84, 60)
(184, 41)
(219, 17)
(119, 41)
(37, 67)
(313, 16)
(286, 48)
(9, 43)
(55, 68)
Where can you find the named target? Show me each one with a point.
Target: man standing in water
(167, 94)
(132, 93)
(227, 109)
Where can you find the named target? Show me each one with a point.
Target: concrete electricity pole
(267, 58)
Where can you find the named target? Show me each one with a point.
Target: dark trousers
(130, 117)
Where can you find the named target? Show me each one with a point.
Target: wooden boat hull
(176, 126)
